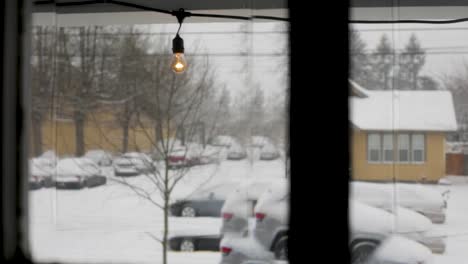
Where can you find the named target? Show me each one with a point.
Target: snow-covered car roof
(223, 140)
(364, 218)
(259, 140)
(135, 155)
(77, 166)
(400, 250)
(50, 154)
(404, 110)
(97, 153)
(41, 167)
(253, 188)
(269, 148)
(382, 194)
(369, 219)
(219, 190)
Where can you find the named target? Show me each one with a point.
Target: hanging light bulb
(178, 64)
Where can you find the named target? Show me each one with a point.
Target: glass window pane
(403, 147)
(388, 147)
(374, 147)
(418, 146)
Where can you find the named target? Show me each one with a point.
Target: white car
(133, 163)
(77, 173)
(223, 141)
(42, 171)
(370, 225)
(416, 197)
(101, 157)
(259, 141)
(269, 152)
(239, 205)
(236, 152)
(272, 219)
(400, 250)
(49, 154)
(237, 250)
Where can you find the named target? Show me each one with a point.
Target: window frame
(396, 150)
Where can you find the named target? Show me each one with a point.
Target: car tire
(281, 249)
(187, 245)
(84, 184)
(188, 211)
(361, 251)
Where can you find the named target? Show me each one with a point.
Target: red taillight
(227, 216)
(260, 216)
(226, 250)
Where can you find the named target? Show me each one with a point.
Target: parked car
(259, 141)
(417, 197)
(271, 214)
(49, 154)
(189, 243)
(236, 152)
(133, 163)
(178, 158)
(369, 226)
(78, 173)
(35, 182)
(237, 250)
(239, 205)
(205, 201)
(400, 250)
(269, 152)
(222, 141)
(42, 172)
(100, 157)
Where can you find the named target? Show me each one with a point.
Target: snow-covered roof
(403, 110)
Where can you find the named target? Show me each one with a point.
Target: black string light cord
(180, 14)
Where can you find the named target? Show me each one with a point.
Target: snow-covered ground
(111, 224)
(456, 226)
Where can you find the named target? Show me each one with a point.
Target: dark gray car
(206, 201)
(191, 243)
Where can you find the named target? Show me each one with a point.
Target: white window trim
(396, 150)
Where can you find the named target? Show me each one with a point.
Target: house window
(403, 148)
(417, 142)
(374, 147)
(388, 147)
(410, 147)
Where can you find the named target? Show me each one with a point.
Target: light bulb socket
(178, 44)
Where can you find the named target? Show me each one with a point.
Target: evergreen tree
(412, 60)
(382, 61)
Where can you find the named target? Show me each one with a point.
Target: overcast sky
(446, 45)
(265, 63)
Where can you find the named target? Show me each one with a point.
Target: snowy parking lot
(110, 223)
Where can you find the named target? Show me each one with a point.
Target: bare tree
(174, 103)
(42, 73)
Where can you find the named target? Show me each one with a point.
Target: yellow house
(101, 131)
(399, 135)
